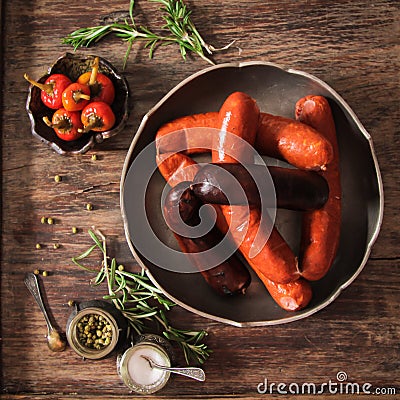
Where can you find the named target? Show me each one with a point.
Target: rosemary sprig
(141, 302)
(178, 23)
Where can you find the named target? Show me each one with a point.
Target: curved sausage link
(294, 142)
(321, 228)
(294, 189)
(282, 138)
(231, 276)
(239, 115)
(228, 277)
(292, 296)
(181, 134)
(176, 167)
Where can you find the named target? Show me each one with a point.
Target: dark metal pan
(276, 91)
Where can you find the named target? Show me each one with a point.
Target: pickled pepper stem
(79, 95)
(94, 122)
(47, 122)
(47, 87)
(62, 124)
(95, 70)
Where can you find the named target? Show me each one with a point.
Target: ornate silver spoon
(54, 339)
(190, 372)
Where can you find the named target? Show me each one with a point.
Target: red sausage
(239, 115)
(292, 141)
(321, 228)
(278, 137)
(176, 167)
(184, 134)
(228, 277)
(238, 123)
(293, 296)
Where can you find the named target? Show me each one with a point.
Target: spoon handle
(32, 284)
(190, 372)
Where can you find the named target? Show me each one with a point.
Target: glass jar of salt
(135, 370)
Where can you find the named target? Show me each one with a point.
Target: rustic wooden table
(352, 45)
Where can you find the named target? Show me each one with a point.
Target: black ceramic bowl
(276, 91)
(73, 65)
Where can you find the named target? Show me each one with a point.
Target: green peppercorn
(38, 246)
(121, 267)
(36, 272)
(45, 273)
(71, 303)
(43, 220)
(94, 331)
(50, 221)
(58, 178)
(89, 206)
(94, 157)
(74, 229)
(56, 246)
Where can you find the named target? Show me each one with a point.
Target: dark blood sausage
(279, 137)
(176, 168)
(227, 278)
(275, 260)
(321, 228)
(294, 189)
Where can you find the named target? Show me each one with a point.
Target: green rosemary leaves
(142, 303)
(178, 24)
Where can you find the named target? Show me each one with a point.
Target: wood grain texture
(352, 45)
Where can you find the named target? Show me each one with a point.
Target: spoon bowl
(55, 342)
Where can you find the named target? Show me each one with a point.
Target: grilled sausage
(279, 137)
(321, 228)
(176, 167)
(294, 189)
(229, 276)
(293, 141)
(292, 296)
(274, 259)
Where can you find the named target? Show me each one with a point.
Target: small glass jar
(136, 372)
(107, 326)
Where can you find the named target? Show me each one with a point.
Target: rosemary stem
(178, 24)
(131, 293)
